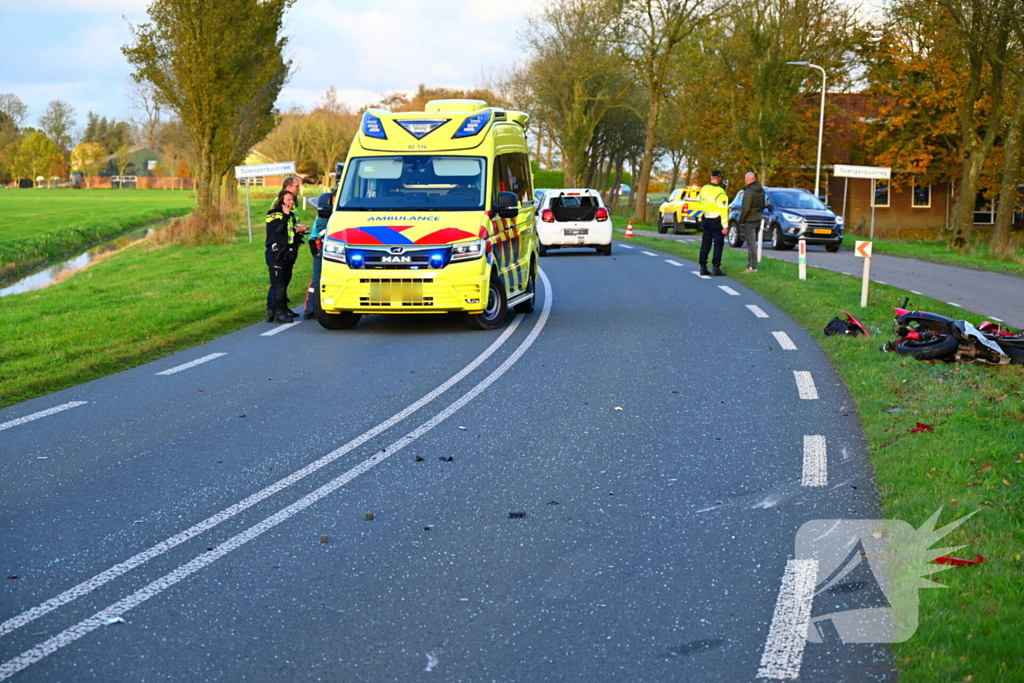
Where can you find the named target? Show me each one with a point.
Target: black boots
(704, 270)
(271, 313)
(718, 271)
(281, 316)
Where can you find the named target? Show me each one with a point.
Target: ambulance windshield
(414, 181)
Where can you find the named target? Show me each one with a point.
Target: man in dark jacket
(750, 218)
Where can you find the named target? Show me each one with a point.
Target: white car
(573, 218)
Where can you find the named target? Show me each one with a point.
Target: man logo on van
(396, 259)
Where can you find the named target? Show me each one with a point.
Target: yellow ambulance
(434, 214)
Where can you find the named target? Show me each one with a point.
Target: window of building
(983, 210)
(922, 197)
(880, 194)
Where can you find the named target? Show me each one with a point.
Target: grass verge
(973, 460)
(130, 308)
(978, 258)
(42, 223)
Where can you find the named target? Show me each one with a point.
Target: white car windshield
(414, 181)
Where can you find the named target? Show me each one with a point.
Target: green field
(973, 460)
(41, 223)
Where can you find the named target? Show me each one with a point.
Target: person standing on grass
(284, 237)
(750, 217)
(715, 203)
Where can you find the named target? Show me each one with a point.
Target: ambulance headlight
(334, 251)
(468, 251)
(472, 125)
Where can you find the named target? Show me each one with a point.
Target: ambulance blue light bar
(473, 125)
(373, 128)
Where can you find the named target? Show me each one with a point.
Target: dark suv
(789, 214)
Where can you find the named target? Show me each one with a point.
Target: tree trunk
(1009, 192)
(640, 212)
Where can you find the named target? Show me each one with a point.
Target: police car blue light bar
(373, 128)
(473, 125)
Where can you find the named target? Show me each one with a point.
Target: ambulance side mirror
(507, 205)
(325, 205)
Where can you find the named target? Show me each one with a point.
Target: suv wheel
(832, 248)
(778, 244)
(735, 240)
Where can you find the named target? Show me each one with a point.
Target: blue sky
(70, 49)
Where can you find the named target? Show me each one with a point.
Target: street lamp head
(798, 63)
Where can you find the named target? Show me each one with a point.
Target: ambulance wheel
(334, 321)
(531, 288)
(662, 228)
(497, 308)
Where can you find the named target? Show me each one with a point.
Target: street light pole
(821, 124)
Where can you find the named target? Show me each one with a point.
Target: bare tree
(145, 108)
(57, 122)
(647, 34)
(12, 109)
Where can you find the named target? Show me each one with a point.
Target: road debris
(428, 527)
(463, 428)
(325, 539)
(444, 459)
(895, 410)
(113, 620)
(12, 577)
(921, 427)
(554, 502)
(618, 409)
(516, 515)
(958, 561)
(419, 458)
(369, 516)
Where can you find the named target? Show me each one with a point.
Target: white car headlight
(334, 251)
(792, 218)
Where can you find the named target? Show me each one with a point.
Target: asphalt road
(994, 295)
(647, 422)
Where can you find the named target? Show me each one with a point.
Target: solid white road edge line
(649, 253)
(954, 304)
(787, 636)
(728, 290)
(210, 522)
(998, 320)
(674, 263)
(281, 328)
(784, 341)
(86, 626)
(918, 293)
(42, 413)
(756, 310)
(186, 366)
(815, 461)
(805, 384)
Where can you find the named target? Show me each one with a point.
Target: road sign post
(760, 242)
(802, 260)
(872, 173)
(260, 171)
(863, 250)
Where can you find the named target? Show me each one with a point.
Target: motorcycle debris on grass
(930, 336)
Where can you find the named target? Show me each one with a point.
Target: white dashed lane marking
(815, 461)
(784, 341)
(702, 277)
(787, 635)
(805, 384)
(192, 364)
(674, 263)
(728, 290)
(42, 413)
(625, 246)
(756, 310)
(280, 328)
(649, 253)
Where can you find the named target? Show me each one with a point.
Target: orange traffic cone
(629, 229)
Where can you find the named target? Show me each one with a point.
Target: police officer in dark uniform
(284, 237)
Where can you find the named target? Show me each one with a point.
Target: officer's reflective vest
(715, 201)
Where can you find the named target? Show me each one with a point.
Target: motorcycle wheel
(935, 347)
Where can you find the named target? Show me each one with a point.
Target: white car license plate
(580, 231)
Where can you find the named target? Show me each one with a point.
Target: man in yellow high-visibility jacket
(715, 203)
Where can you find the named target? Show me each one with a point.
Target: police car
(681, 210)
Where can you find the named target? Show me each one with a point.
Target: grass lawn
(974, 459)
(132, 307)
(41, 223)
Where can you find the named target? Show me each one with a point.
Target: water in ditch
(52, 272)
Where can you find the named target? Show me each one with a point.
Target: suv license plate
(577, 232)
(822, 231)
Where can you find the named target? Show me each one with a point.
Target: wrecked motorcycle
(929, 336)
